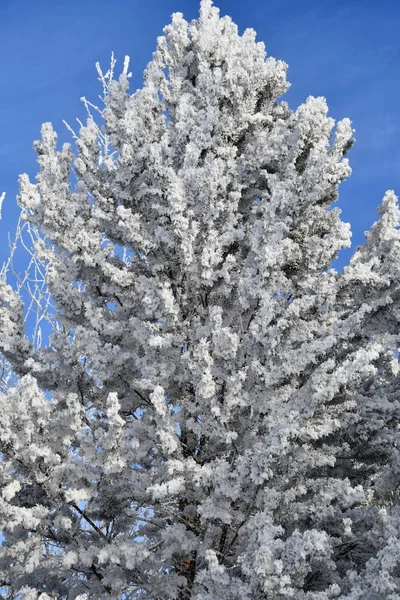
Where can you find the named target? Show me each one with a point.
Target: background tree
(215, 416)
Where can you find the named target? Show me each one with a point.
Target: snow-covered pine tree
(216, 415)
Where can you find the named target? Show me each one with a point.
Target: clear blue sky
(348, 51)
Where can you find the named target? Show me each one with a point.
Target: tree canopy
(215, 416)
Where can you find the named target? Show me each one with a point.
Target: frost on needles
(215, 416)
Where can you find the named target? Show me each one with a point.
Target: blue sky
(348, 51)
